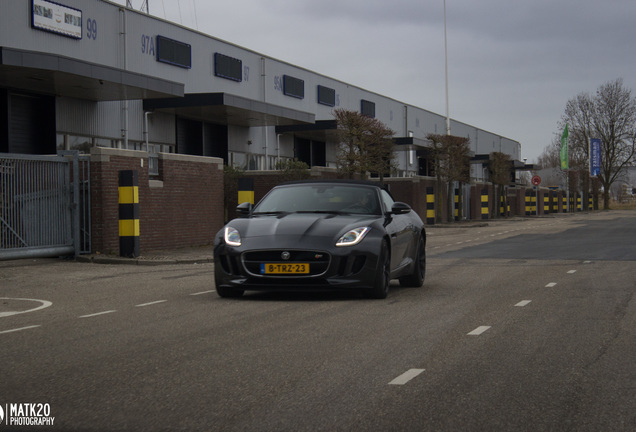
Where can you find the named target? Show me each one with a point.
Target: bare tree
(437, 150)
(452, 164)
(499, 172)
(609, 116)
(380, 158)
(366, 145)
(550, 157)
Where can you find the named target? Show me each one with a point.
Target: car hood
(300, 225)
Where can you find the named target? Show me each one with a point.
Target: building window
(326, 96)
(228, 67)
(367, 108)
(174, 52)
(293, 87)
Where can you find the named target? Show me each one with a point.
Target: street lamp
(448, 131)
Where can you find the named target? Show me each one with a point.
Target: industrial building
(81, 73)
(132, 91)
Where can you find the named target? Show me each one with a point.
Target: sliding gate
(44, 205)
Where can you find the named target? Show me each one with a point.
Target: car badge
(285, 255)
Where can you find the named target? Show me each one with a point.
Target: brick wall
(182, 207)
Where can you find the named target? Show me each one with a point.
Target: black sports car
(321, 235)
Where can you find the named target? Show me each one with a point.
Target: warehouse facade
(134, 91)
(77, 74)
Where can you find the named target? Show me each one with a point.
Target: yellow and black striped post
(457, 204)
(565, 204)
(528, 202)
(484, 204)
(430, 206)
(546, 203)
(245, 190)
(128, 214)
(504, 208)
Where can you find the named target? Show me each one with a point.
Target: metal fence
(44, 205)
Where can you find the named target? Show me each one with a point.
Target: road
(524, 324)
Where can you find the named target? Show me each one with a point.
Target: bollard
(246, 190)
(128, 214)
(430, 206)
(457, 204)
(484, 203)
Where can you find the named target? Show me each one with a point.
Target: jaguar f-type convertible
(315, 235)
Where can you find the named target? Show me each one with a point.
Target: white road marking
(406, 377)
(479, 330)
(98, 313)
(572, 272)
(19, 329)
(203, 292)
(44, 304)
(151, 303)
(523, 303)
(551, 284)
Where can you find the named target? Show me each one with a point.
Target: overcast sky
(513, 64)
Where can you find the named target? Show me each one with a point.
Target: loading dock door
(31, 124)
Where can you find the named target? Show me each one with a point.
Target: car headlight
(353, 237)
(232, 236)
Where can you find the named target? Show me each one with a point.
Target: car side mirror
(244, 209)
(400, 208)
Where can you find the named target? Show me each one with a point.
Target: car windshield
(320, 198)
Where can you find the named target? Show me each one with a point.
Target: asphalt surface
(529, 339)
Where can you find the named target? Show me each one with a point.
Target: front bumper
(335, 268)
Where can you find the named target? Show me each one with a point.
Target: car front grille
(318, 261)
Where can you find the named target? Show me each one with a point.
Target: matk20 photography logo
(26, 414)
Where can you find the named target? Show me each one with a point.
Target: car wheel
(229, 292)
(416, 279)
(383, 275)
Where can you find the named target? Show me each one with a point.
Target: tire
(416, 279)
(383, 275)
(229, 292)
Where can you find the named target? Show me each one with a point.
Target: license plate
(293, 268)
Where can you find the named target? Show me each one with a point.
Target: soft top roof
(340, 182)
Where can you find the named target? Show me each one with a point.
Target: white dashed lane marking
(406, 377)
(98, 314)
(202, 292)
(19, 329)
(479, 330)
(523, 303)
(551, 284)
(151, 303)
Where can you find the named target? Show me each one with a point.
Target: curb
(142, 261)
